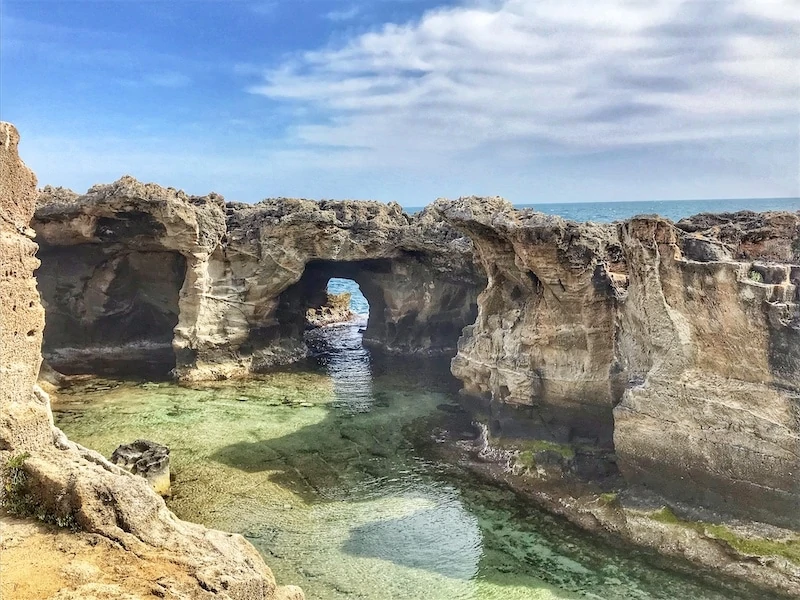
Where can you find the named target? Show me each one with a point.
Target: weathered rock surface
(62, 482)
(114, 263)
(117, 276)
(146, 459)
(336, 309)
(681, 341)
(712, 353)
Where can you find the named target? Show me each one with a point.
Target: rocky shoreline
(727, 552)
(50, 479)
(642, 378)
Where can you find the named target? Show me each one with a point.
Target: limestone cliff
(671, 350)
(681, 342)
(61, 482)
(711, 345)
(141, 276)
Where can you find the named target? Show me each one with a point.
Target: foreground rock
(137, 276)
(47, 476)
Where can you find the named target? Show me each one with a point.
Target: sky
(409, 100)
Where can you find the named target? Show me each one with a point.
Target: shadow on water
(441, 520)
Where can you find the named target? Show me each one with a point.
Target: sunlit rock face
(545, 331)
(682, 341)
(140, 278)
(67, 484)
(711, 340)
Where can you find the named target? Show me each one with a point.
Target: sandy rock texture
(147, 278)
(63, 483)
(710, 340)
(675, 345)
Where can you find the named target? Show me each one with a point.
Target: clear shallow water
(605, 212)
(320, 468)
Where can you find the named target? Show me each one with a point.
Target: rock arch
(246, 274)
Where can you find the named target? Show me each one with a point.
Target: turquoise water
(358, 303)
(605, 212)
(324, 468)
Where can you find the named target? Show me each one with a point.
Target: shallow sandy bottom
(320, 468)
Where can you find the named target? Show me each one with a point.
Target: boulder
(146, 459)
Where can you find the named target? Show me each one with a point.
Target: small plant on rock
(20, 503)
(14, 479)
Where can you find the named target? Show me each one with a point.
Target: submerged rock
(146, 459)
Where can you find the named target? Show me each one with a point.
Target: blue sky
(409, 100)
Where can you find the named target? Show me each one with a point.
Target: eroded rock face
(545, 332)
(119, 267)
(114, 285)
(682, 341)
(65, 483)
(713, 410)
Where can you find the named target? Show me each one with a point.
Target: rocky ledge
(46, 476)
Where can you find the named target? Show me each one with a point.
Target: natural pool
(320, 468)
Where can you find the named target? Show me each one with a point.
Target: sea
(606, 212)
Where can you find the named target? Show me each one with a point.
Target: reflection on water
(317, 467)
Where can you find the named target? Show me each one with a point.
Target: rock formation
(61, 482)
(673, 349)
(710, 339)
(135, 274)
(681, 342)
(146, 459)
(335, 309)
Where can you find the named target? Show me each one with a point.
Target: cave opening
(331, 292)
(110, 314)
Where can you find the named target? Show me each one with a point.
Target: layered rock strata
(679, 342)
(60, 482)
(135, 273)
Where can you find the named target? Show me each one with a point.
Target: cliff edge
(50, 478)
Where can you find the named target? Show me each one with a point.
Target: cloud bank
(549, 77)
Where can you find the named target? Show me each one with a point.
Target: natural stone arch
(241, 263)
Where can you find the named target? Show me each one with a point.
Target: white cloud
(344, 14)
(551, 75)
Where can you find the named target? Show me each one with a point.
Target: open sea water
(606, 212)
